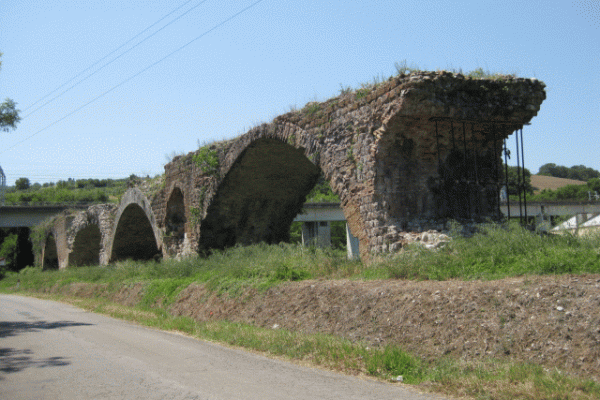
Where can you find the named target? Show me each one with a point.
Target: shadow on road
(13, 328)
(13, 360)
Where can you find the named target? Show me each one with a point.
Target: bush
(8, 251)
(207, 160)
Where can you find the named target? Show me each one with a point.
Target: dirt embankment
(552, 321)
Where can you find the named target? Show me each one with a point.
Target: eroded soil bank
(549, 320)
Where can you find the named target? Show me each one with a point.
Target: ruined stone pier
(404, 156)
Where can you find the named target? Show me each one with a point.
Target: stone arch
(134, 237)
(50, 256)
(86, 246)
(258, 198)
(135, 234)
(381, 151)
(175, 215)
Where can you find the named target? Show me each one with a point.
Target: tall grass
(496, 251)
(232, 271)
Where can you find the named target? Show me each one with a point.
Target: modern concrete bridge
(315, 217)
(403, 156)
(21, 216)
(32, 215)
(551, 209)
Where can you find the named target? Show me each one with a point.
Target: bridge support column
(316, 233)
(352, 243)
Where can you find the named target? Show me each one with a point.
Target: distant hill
(541, 182)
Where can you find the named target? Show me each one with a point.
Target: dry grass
(129, 313)
(541, 182)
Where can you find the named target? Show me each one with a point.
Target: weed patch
(207, 160)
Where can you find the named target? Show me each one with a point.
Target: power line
(111, 61)
(106, 56)
(136, 74)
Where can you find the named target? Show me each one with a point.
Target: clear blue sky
(275, 55)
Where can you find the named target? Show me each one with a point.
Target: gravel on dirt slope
(549, 320)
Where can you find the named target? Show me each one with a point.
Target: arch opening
(86, 247)
(259, 197)
(21, 255)
(50, 254)
(175, 215)
(134, 237)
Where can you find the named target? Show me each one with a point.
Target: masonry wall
(403, 157)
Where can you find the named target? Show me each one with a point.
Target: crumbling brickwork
(403, 156)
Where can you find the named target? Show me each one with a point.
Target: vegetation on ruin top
(316, 110)
(206, 158)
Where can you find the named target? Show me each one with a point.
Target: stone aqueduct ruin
(404, 156)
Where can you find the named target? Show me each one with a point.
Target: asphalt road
(49, 350)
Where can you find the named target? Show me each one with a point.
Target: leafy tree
(594, 184)
(322, 193)
(9, 115)
(69, 191)
(8, 251)
(583, 173)
(513, 180)
(578, 172)
(22, 184)
(570, 192)
(62, 184)
(554, 170)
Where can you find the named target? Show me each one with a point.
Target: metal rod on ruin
(475, 151)
(437, 142)
(475, 168)
(466, 170)
(519, 183)
(497, 169)
(506, 179)
(523, 164)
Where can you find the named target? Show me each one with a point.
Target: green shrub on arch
(207, 160)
